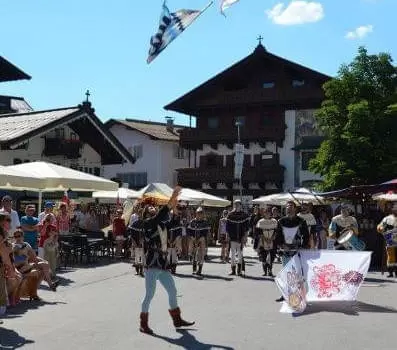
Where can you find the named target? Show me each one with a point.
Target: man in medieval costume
(198, 231)
(237, 227)
(388, 227)
(292, 234)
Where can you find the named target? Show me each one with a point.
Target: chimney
(170, 123)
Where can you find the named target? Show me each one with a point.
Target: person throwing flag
(156, 262)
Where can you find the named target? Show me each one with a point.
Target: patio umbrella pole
(40, 201)
(315, 196)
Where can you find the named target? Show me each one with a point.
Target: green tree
(359, 119)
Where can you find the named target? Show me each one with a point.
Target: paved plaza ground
(97, 307)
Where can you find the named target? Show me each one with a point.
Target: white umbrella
(275, 199)
(187, 195)
(389, 197)
(302, 195)
(202, 198)
(59, 178)
(13, 179)
(122, 194)
(155, 188)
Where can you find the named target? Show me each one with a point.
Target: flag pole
(202, 11)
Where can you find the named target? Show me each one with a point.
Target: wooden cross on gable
(260, 38)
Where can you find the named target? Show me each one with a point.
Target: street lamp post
(240, 185)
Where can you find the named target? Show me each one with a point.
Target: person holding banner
(292, 234)
(237, 227)
(388, 227)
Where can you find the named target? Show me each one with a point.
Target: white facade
(294, 176)
(90, 160)
(158, 159)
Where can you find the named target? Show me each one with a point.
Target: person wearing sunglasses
(26, 260)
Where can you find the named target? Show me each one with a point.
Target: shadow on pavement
(27, 305)
(10, 339)
(347, 308)
(379, 280)
(204, 276)
(189, 341)
(255, 278)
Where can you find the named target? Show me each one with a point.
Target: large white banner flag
(291, 282)
(334, 275)
(322, 275)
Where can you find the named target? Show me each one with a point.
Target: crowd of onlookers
(29, 246)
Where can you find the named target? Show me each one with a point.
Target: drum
(350, 241)
(391, 237)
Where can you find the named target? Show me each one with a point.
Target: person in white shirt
(6, 202)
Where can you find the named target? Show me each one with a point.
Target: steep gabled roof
(18, 128)
(155, 130)
(260, 53)
(9, 72)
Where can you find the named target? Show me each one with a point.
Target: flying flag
(225, 4)
(171, 25)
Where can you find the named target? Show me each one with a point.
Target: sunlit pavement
(97, 307)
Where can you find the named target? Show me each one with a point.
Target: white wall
(89, 158)
(287, 155)
(157, 160)
(305, 175)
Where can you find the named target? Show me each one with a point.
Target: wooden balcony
(62, 147)
(196, 138)
(283, 95)
(260, 174)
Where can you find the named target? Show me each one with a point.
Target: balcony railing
(226, 175)
(62, 147)
(189, 138)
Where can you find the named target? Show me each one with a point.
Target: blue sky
(72, 45)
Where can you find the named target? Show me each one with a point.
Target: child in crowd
(51, 249)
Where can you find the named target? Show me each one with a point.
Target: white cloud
(360, 32)
(297, 12)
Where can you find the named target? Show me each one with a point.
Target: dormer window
(268, 84)
(298, 83)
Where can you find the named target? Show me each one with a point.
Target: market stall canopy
(59, 178)
(202, 198)
(299, 196)
(194, 197)
(388, 197)
(122, 194)
(17, 180)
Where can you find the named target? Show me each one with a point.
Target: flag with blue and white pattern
(171, 25)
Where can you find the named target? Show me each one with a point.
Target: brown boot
(144, 327)
(178, 321)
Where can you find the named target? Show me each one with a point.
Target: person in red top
(43, 225)
(119, 230)
(63, 220)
